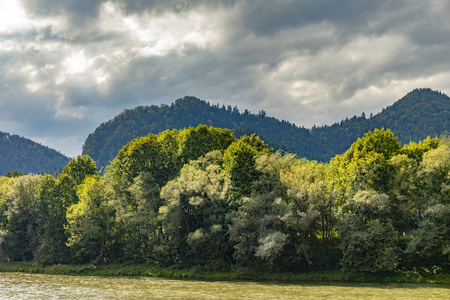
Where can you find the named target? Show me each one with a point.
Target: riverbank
(417, 276)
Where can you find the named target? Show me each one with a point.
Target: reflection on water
(36, 286)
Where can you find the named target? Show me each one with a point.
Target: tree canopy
(201, 197)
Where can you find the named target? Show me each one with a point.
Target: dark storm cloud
(270, 17)
(83, 10)
(78, 12)
(177, 6)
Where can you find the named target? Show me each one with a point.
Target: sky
(66, 66)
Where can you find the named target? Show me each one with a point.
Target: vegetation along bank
(202, 201)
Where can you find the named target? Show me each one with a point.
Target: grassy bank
(422, 276)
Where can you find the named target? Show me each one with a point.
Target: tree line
(201, 197)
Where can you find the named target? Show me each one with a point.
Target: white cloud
(77, 63)
(12, 17)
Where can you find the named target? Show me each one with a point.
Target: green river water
(37, 286)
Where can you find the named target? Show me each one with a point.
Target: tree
(196, 142)
(142, 155)
(239, 162)
(258, 228)
(194, 217)
(416, 151)
(6, 185)
(369, 242)
(90, 221)
(430, 242)
(311, 219)
(435, 170)
(364, 166)
(21, 238)
(14, 173)
(51, 222)
(379, 141)
(257, 231)
(79, 168)
(138, 227)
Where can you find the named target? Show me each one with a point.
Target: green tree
(312, 207)
(14, 173)
(435, 171)
(196, 142)
(258, 226)
(67, 190)
(22, 238)
(51, 222)
(138, 227)
(90, 221)
(416, 151)
(364, 166)
(379, 141)
(194, 217)
(239, 163)
(6, 185)
(430, 242)
(369, 242)
(141, 155)
(79, 168)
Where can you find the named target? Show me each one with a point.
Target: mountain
(24, 155)
(419, 114)
(105, 142)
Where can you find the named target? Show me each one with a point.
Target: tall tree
(239, 163)
(79, 168)
(90, 221)
(22, 237)
(194, 217)
(51, 222)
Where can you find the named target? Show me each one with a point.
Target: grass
(415, 276)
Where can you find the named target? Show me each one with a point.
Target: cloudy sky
(68, 65)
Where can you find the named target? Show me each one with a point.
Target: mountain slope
(21, 154)
(420, 113)
(105, 142)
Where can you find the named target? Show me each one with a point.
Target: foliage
(79, 168)
(199, 198)
(89, 221)
(194, 215)
(239, 162)
(430, 242)
(51, 222)
(20, 155)
(21, 237)
(368, 239)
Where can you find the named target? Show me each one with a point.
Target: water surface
(38, 286)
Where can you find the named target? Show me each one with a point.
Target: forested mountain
(106, 141)
(419, 114)
(24, 155)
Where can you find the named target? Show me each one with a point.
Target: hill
(24, 155)
(419, 114)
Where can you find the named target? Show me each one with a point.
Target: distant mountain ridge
(419, 114)
(21, 154)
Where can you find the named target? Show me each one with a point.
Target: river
(38, 286)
